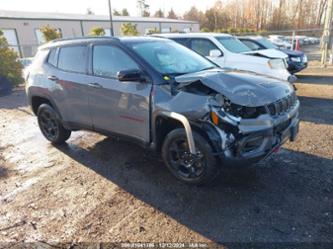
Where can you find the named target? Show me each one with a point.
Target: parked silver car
(165, 97)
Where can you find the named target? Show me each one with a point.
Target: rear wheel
(50, 125)
(197, 169)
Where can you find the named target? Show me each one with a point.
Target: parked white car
(229, 52)
(280, 41)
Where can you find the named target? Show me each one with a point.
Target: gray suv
(165, 97)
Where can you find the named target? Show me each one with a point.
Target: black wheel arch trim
(46, 97)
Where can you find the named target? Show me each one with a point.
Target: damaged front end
(249, 134)
(245, 121)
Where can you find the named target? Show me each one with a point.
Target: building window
(11, 37)
(187, 30)
(107, 32)
(166, 30)
(40, 37)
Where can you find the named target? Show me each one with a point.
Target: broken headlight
(239, 110)
(244, 111)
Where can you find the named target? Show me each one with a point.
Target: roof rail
(83, 38)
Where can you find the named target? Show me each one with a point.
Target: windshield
(168, 57)
(267, 43)
(233, 44)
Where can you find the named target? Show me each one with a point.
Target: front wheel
(51, 126)
(197, 169)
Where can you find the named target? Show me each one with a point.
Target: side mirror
(215, 53)
(131, 75)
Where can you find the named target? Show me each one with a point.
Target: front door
(204, 46)
(119, 107)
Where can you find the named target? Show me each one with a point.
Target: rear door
(119, 107)
(68, 70)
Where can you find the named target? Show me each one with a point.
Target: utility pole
(111, 21)
(327, 33)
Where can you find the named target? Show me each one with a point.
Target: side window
(251, 45)
(53, 57)
(182, 41)
(73, 59)
(202, 46)
(109, 60)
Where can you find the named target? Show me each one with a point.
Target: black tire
(206, 169)
(50, 125)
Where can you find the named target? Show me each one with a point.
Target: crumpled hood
(242, 88)
(269, 53)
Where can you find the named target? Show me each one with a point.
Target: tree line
(260, 14)
(252, 15)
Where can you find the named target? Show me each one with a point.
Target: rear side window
(202, 46)
(53, 57)
(73, 59)
(40, 57)
(109, 60)
(182, 41)
(251, 45)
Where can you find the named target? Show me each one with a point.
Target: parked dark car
(163, 96)
(297, 60)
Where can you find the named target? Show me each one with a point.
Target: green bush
(10, 67)
(50, 33)
(129, 29)
(97, 31)
(204, 29)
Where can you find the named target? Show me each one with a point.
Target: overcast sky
(100, 6)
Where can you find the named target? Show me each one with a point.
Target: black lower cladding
(257, 145)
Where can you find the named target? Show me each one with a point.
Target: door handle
(53, 78)
(96, 85)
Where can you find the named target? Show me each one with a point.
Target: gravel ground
(99, 189)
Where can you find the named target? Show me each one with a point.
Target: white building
(22, 29)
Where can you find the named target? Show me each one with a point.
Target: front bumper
(257, 139)
(295, 67)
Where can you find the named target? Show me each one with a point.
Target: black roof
(88, 39)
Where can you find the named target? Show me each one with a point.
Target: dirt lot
(98, 189)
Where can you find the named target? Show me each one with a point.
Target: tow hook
(276, 149)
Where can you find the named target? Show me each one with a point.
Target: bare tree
(260, 14)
